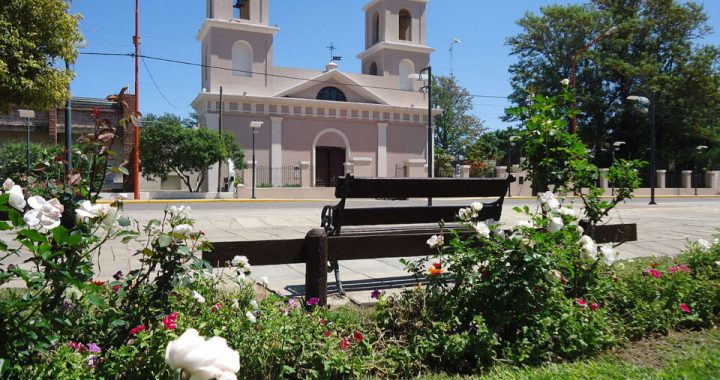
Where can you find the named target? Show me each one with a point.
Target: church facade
(328, 121)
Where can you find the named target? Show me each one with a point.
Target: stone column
(501, 172)
(382, 150)
(276, 151)
(660, 178)
(211, 180)
(686, 179)
(348, 166)
(515, 169)
(714, 181)
(361, 166)
(603, 178)
(416, 167)
(464, 171)
(305, 174)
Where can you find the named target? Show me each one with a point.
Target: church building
(326, 121)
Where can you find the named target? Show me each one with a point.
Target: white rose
(265, 280)
(466, 214)
(241, 262)
(586, 240)
(556, 224)
(8, 184)
(551, 204)
(435, 241)
(579, 230)
(476, 206)
(45, 215)
(254, 304)
(202, 359)
(565, 82)
(88, 210)
(235, 303)
(553, 275)
(198, 297)
(251, 317)
(183, 229)
(17, 198)
(482, 229)
(609, 254)
(526, 223)
(703, 243)
(589, 252)
(241, 277)
(567, 211)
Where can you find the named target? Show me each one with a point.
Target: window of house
(332, 94)
(407, 67)
(373, 69)
(242, 58)
(241, 9)
(375, 28)
(405, 25)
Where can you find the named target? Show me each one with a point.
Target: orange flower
(435, 270)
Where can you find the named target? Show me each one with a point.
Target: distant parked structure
(325, 121)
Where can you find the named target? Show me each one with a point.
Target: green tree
(13, 160)
(36, 34)
(455, 128)
(166, 146)
(495, 145)
(654, 51)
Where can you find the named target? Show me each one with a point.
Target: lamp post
(255, 126)
(428, 87)
(615, 148)
(27, 115)
(645, 105)
(452, 53)
(698, 151)
(573, 126)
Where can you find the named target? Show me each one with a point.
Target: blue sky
(168, 30)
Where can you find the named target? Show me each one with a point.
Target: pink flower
(137, 330)
(685, 308)
(358, 336)
(594, 306)
(653, 272)
(344, 344)
(679, 268)
(327, 333)
(170, 322)
(313, 301)
(116, 288)
(216, 307)
(581, 302)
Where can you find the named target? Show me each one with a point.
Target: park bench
(369, 232)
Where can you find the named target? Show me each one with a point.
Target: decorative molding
(234, 25)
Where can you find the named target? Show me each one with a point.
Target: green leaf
(124, 221)
(96, 300)
(60, 234)
(34, 235)
(164, 240)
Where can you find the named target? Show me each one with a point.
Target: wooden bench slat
(367, 187)
(411, 215)
(259, 252)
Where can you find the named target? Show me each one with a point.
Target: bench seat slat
(411, 215)
(258, 252)
(367, 187)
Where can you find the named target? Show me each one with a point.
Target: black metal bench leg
(335, 266)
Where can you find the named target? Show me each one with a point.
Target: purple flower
(376, 294)
(292, 303)
(92, 361)
(118, 276)
(93, 347)
(66, 306)
(313, 301)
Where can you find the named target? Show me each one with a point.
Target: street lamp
(616, 147)
(27, 115)
(452, 53)
(255, 126)
(645, 105)
(428, 87)
(698, 151)
(577, 55)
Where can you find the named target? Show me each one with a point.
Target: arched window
(331, 93)
(375, 28)
(406, 69)
(373, 69)
(405, 25)
(241, 9)
(242, 58)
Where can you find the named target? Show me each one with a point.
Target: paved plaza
(663, 229)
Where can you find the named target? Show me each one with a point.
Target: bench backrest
(350, 187)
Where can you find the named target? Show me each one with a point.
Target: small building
(330, 121)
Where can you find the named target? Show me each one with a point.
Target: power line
(258, 73)
(158, 87)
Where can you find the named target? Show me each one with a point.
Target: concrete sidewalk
(663, 230)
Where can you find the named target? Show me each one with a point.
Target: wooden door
(328, 165)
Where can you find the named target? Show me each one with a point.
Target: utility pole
(136, 163)
(220, 122)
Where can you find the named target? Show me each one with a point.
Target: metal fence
(674, 179)
(284, 176)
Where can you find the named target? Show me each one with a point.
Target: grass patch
(680, 355)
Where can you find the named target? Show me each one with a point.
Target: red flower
(323, 322)
(98, 282)
(216, 307)
(327, 333)
(581, 302)
(436, 269)
(653, 272)
(116, 288)
(685, 308)
(679, 268)
(170, 322)
(137, 330)
(594, 306)
(358, 336)
(344, 344)
(437, 265)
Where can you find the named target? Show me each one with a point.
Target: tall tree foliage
(455, 128)
(654, 53)
(37, 35)
(166, 146)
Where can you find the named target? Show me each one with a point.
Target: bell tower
(395, 44)
(236, 35)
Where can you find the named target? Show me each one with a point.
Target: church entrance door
(328, 165)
